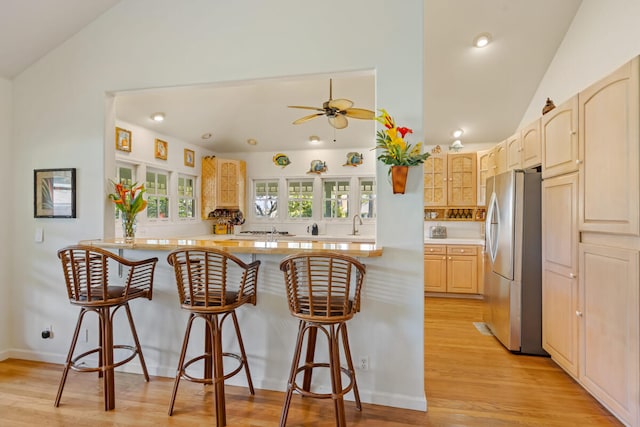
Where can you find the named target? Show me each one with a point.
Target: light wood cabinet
(514, 152)
(608, 316)
(451, 268)
(559, 129)
(435, 180)
(223, 185)
(484, 172)
(609, 116)
(531, 146)
(560, 269)
(500, 158)
(462, 179)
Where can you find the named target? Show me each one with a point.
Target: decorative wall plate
(281, 160)
(317, 166)
(353, 159)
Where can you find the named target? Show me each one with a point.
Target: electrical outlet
(47, 332)
(364, 363)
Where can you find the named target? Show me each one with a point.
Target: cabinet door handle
(571, 275)
(444, 257)
(461, 251)
(449, 257)
(573, 132)
(578, 161)
(578, 313)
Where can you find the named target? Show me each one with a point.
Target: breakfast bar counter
(237, 246)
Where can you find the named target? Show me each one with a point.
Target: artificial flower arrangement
(396, 151)
(128, 200)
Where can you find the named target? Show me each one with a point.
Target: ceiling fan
(337, 111)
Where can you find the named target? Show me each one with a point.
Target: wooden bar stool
(211, 285)
(90, 274)
(323, 291)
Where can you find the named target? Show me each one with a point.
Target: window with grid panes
(186, 196)
(335, 198)
(300, 198)
(265, 198)
(367, 197)
(157, 194)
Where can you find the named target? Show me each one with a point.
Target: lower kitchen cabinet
(609, 333)
(451, 268)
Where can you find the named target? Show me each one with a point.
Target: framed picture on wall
(54, 193)
(161, 149)
(123, 139)
(189, 156)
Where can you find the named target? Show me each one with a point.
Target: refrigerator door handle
(491, 227)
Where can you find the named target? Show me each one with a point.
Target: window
(367, 198)
(335, 198)
(124, 175)
(186, 196)
(266, 199)
(300, 198)
(157, 195)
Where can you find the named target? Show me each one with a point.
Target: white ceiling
(483, 91)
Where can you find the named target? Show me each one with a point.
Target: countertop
(454, 241)
(280, 247)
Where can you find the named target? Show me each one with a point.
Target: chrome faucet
(355, 230)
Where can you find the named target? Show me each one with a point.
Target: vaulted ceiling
(485, 91)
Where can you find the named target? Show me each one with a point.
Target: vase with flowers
(396, 152)
(129, 201)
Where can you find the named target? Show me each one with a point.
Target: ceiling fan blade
(307, 118)
(306, 108)
(340, 104)
(360, 113)
(338, 121)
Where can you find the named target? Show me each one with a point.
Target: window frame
(151, 192)
(278, 198)
(324, 199)
(301, 200)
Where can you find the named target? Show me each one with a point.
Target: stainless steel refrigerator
(512, 261)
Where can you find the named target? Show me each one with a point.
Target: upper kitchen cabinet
(484, 172)
(435, 180)
(609, 133)
(559, 128)
(500, 158)
(223, 185)
(514, 152)
(530, 145)
(462, 184)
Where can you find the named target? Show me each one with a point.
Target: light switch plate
(39, 235)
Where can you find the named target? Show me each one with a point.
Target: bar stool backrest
(323, 286)
(213, 280)
(92, 276)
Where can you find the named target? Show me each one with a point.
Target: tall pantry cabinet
(591, 311)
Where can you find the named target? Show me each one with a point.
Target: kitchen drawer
(462, 250)
(435, 249)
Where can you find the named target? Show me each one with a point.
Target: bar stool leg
(292, 375)
(137, 342)
(311, 350)
(107, 358)
(347, 354)
(336, 378)
(242, 352)
(67, 364)
(183, 354)
(218, 368)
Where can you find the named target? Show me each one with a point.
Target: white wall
(260, 166)
(6, 215)
(59, 121)
(603, 36)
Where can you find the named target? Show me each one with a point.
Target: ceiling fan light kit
(336, 110)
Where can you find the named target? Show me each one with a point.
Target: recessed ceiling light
(206, 135)
(314, 139)
(157, 117)
(482, 39)
(457, 133)
(251, 141)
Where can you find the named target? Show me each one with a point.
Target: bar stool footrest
(184, 375)
(76, 363)
(307, 393)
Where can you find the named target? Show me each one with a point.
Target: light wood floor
(471, 380)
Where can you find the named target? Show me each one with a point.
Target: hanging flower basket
(399, 178)
(396, 152)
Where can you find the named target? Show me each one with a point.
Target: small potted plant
(396, 151)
